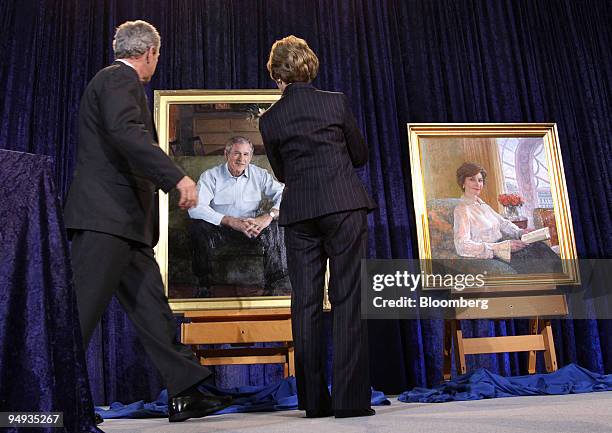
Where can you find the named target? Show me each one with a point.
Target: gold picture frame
(167, 104)
(437, 149)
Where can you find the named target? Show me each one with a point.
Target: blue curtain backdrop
(399, 62)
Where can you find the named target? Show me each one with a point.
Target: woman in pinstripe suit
(313, 144)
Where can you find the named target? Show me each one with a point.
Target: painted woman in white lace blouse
(479, 230)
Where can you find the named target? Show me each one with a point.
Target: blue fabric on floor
(280, 396)
(481, 384)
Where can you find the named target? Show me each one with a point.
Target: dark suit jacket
(313, 143)
(119, 167)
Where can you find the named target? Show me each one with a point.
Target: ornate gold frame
(548, 132)
(163, 99)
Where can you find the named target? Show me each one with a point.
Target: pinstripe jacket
(313, 144)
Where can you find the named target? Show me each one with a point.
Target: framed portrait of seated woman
(206, 265)
(491, 201)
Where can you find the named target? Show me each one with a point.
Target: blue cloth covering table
(42, 364)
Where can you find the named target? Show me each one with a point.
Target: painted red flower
(510, 200)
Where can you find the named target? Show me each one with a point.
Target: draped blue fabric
(42, 363)
(281, 395)
(398, 62)
(481, 383)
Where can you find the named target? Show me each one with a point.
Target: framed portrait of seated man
(207, 258)
(491, 200)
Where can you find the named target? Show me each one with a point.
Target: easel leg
(459, 351)
(446, 349)
(550, 355)
(286, 368)
(533, 330)
(291, 359)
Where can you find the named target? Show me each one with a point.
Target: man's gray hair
(134, 38)
(236, 140)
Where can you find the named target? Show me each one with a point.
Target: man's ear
(151, 52)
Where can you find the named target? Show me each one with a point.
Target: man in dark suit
(313, 145)
(111, 215)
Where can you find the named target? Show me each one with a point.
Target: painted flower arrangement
(511, 202)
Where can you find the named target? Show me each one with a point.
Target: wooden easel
(242, 328)
(540, 338)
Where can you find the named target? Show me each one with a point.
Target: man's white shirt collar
(245, 173)
(125, 62)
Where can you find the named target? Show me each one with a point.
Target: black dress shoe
(196, 405)
(98, 418)
(317, 413)
(350, 413)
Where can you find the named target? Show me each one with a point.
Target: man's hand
(189, 193)
(238, 224)
(256, 225)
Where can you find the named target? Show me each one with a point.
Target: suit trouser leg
(345, 243)
(204, 237)
(98, 262)
(105, 265)
(275, 255)
(306, 265)
(141, 293)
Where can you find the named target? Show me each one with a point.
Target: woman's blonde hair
(292, 60)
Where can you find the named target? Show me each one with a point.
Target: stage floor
(584, 413)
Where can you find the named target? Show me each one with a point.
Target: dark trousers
(342, 238)
(207, 238)
(105, 265)
(536, 258)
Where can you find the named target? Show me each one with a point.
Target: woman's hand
(516, 245)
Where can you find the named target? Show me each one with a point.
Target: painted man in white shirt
(230, 209)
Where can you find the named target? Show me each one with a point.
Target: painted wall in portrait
(442, 156)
